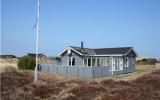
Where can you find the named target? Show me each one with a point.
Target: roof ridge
(112, 48)
(79, 47)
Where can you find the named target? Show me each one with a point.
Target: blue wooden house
(88, 62)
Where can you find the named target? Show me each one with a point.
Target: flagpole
(37, 32)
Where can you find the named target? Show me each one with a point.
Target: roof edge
(69, 47)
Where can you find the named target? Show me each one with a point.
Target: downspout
(91, 61)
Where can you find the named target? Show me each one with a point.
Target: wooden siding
(78, 59)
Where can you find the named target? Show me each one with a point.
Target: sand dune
(8, 65)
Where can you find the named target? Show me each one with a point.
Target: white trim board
(71, 49)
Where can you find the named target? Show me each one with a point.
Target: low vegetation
(144, 84)
(147, 62)
(26, 62)
(19, 85)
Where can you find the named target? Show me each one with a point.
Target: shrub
(147, 61)
(26, 62)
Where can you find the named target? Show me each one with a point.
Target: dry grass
(8, 65)
(19, 86)
(140, 71)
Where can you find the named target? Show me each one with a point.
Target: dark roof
(7, 56)
(85, 51)
(103, 51)
(108, 51)
(34, 55)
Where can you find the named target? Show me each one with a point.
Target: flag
(37, 19)
(35, 26)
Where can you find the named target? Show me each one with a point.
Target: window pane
(69, 61)
(126, 62)
(121, 63)
(103, 61)
(116, 63)
(89, 61)
(93, 61)
(108, 61)
(73, 61)
(85, 62)
(98, 63)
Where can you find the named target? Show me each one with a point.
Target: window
(93, 61)
(126, 62)
(89, 61)
(113, 63)
(98, 62)
(116, 64)
(108, 61)
(103, 61)
(71, 61)
(121, 63)
(85, 61)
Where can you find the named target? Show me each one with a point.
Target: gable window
(71, 61)
(126, 62)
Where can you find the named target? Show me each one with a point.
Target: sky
(98, 23)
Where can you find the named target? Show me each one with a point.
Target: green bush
(26, 62)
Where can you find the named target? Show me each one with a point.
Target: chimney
(81, 44)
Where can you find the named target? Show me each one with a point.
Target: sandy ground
(8, 65)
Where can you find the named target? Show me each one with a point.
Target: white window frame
(114, 64)
(98, 61)
(117, 65)
(93, 63)
(71, 61)
(121, 63)
(90, 62)
(85, 64)
(74, 61)
(126, 62)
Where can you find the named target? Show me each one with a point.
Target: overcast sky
(99, 23)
